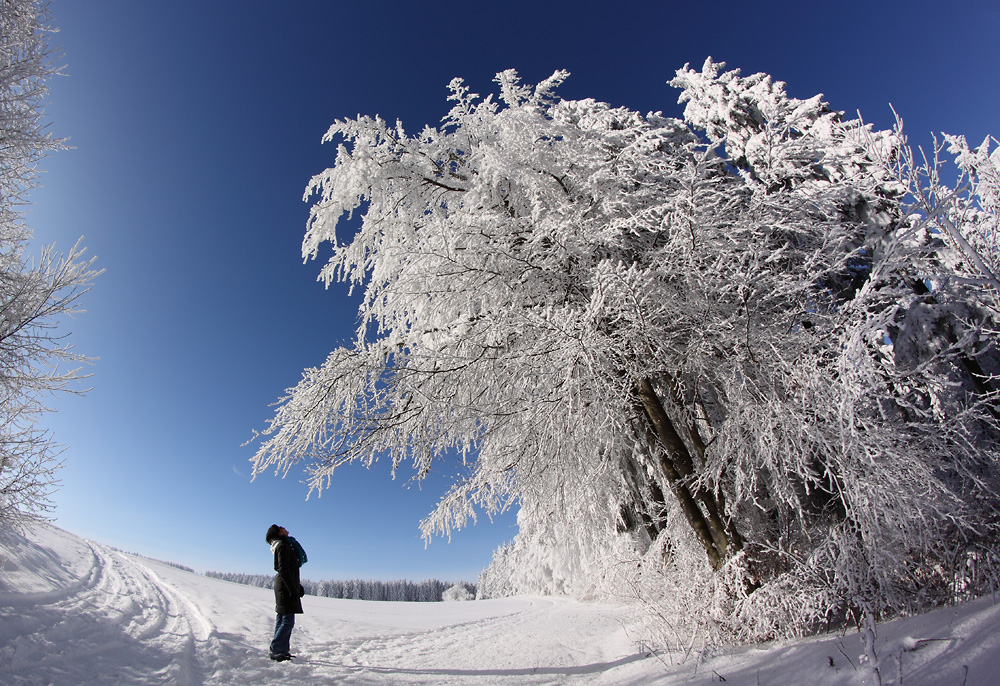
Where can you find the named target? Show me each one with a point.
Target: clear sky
(195, 127)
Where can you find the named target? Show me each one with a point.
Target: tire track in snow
(220, 658)
(118, 625)
(204, 655)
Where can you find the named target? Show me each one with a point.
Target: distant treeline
(428, 591)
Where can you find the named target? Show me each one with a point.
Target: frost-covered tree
(881, 429)
(675, 340)
(34, 291)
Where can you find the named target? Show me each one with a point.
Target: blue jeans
(282, 634)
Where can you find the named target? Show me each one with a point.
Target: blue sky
(195, 127)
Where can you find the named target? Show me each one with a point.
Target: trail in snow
(115, 623)
(74, 612)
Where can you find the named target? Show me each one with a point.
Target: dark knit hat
(273, 532)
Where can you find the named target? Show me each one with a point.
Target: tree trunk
(647, 497)
(678, 468)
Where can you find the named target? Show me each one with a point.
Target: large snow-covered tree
(662, 336)
(34, 291)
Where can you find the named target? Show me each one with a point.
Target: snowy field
(74, 612)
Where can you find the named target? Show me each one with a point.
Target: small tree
(34, 293)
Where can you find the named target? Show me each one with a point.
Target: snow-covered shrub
(457, 592)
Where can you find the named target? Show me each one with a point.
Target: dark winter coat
(287, 587)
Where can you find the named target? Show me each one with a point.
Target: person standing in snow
(288, 591)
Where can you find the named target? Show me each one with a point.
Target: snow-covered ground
(75, 612)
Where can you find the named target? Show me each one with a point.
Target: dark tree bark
(703, 510)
